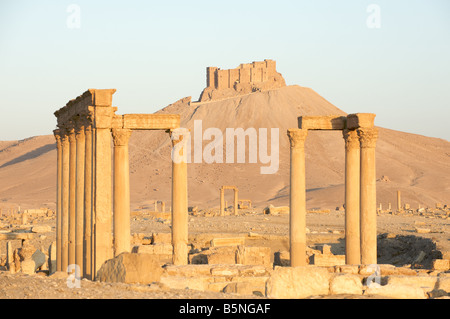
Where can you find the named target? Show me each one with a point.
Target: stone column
(236, 192)
(87, 244)
(368, 138)
(179, 197)
(122, 233)
(222, 201)
(65, 201)
(399, 201)
(72, 194)
(102, 206)
(58, 197)
(297, 198)
(79, 216)
(352, 195)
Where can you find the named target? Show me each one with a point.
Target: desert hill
(419, 166)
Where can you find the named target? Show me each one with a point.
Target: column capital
(351, 138)
(57, 134)
(70, 132)
(368, 137)
(178, 135)
(121, 136)
(297, 137)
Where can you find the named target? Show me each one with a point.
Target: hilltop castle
(247, 78)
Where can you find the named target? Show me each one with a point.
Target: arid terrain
(416, 165)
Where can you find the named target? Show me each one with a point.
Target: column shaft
(352, 196)
(368, 203)
(87, 204)
(102, 207)
(79, 229)
(122, 234)
(179, 198)
(72, 195)
(236, 196)
(297, 198)
(65, 202)
(222, 202)
(58, 199)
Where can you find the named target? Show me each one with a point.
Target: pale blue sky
(155, 53)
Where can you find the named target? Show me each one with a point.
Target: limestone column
(179, 197)
(122, 232)
(222, 201)
(65, 201)
(87, 203)
(399, 201)
(79, 215)
(236, 192)
(368, 138)
(102, 205)
(72, 194)
(58, 197)
(297, 197)
(352, 195)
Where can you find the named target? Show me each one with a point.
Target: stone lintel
(357, 120)
(150, 121)
(83, 104)
(331, 122)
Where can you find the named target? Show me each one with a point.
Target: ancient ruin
(89, 230)
(222, 199)
(360, 188)
(247, 78)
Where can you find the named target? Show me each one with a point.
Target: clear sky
(389, 57)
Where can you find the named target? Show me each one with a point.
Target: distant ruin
(247, 78)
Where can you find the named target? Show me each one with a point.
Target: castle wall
(255, 72)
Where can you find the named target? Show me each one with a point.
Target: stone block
(396, 291)
(441, 264)
(346, 284)
(180, 282)
(327, 260)
(221, 255)
(425, 282)
(162, 238)
(224, 270)
(231, 241)
(41, 229)
(358, 120)
(272, 210)
(187, 270)
(444, 284)
(297, 282)
(348, 269)
(253, 255)
(131, 268)
(330, 122)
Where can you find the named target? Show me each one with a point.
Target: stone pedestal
(297, 203)
(122, 236)
(368, 138)
(352, 196)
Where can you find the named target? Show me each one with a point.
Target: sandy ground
(398, 238)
